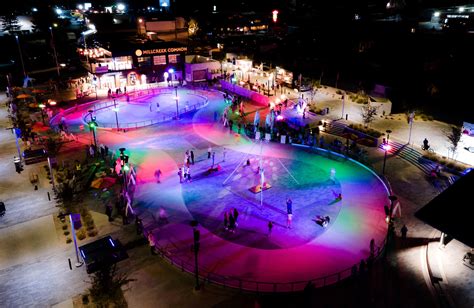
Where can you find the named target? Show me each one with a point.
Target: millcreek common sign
(148, 52)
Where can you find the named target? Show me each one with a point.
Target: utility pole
(53, 45)
(21, 56)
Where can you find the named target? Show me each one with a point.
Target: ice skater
(209, 151)
(180, 174)
(192, 157)
(158, 175)
(270, 227)
(224, 152)
(213, 159)
(332, 176)
(157, 107)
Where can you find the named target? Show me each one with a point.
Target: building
(121, 63)
(198, 68)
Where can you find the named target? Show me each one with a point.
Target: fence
(265, 286)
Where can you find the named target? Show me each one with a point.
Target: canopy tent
(451, 212)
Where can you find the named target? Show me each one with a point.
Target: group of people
(102, 151)
(230, 220)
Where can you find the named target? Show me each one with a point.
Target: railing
(265, 286)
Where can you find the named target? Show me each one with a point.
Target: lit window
(173, 58)
(159, 60)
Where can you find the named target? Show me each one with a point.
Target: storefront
(127, 63)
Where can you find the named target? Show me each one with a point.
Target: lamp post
(386, 147)
(196, 237)
(21, 55)
(343, 97)
(92, 127)
(124, 168)
(176, 98)
(388, 131)
(411, 118)
(116, 109)
(42, 112)
(54, 51)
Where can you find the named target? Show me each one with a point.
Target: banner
(76, 221)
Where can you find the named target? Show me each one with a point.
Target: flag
(76, 220)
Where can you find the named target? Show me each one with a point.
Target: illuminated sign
(140, 52)
(457, 16)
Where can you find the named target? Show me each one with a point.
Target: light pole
(388, 131)
(386, 147)
(21, 55)
(411, 118)
(343, 96)
(176, 98)
(54, 50)
(42, 112)
(196, 236)
(116, 109)
(92, 127)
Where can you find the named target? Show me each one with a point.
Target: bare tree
(453, 137)
(368, 114)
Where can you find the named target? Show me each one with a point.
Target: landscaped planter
(360, 137)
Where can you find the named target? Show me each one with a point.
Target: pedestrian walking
(91, 151)
(224, 153)
(139, 225)
(158, 175)
(209, 151)
(149, 105)
(108, 212)
(226, 220)
(404, 231)
(157, 107)
(151, 242)
(192, 157)
(270, 227)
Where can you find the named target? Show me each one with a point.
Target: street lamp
(21, 55)
(92, 127)
(388, 131)
(42, 112)
(54, 50)
(176, 98)
(386, 147)
(196, 237)
(116, 109)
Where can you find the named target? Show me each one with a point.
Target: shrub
(66, 233)
(64, 227)
(92, 233)
(338, 92)
(81, 234)
(68, 240)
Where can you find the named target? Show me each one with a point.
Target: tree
(193, 27)
(453, 137)
(10, 23)
(106, 287)
(368, 114)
